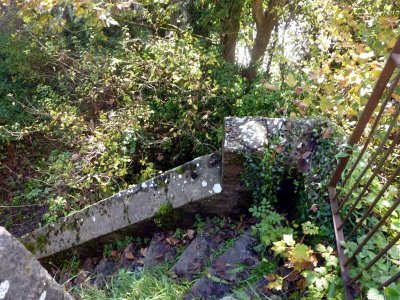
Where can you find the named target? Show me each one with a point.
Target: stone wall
(205, 185)
(251, 135)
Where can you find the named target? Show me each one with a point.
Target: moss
(165, 216)
(180, 170)
(72, 225)
(30, 247)
(41, 242)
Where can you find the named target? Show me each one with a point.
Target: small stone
(229, 297)
(159, 251)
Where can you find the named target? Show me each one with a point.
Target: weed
(147, 284)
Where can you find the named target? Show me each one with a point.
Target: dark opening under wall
(287, 197)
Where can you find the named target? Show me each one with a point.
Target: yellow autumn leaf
(290, 80)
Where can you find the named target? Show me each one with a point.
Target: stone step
(200, 252)
(232, 267)
(194, 187)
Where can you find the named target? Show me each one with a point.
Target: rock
(21, 275)
(200, 252)
(234, 264)
(159, 251)
(193, 259)
(228, 270)
(230, 297)
(104, 269)
(205, 289)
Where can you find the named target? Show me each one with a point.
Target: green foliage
(147, 284)
(103, 107)
(388, 264)
(165, 216)
(323, 280)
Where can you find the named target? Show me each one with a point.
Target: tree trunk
(265, 23)
(230, 30)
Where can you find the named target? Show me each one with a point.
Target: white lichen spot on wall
(254, 134)
(217, 188)
(144, 185)
(204, 183)
(43, 295)
(93, 218)
(4, 286)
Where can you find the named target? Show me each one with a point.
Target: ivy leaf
(373, 294)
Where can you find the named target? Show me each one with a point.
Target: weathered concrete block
(192, 187)
(21, 275)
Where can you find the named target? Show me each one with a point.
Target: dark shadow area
(287, 197)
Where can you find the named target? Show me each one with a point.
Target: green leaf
(279, 247)
(342, 155)
(392, 292)
(217, 279)
(300, 253)
(288, 239)
(291, 80)
(373, 294)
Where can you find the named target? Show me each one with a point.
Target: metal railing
(344, 201)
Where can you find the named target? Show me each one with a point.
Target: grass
(148, 284)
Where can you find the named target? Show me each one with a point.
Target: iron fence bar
(372, 160)
(373, 204)
(372, 232)
(390, 281)
(373, 102)
(396, 58)
(371, 133)
(339, 237)
(376, 258)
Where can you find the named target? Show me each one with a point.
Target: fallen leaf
(301, 106)
(279, 149)
(172, 240)
(270, 277)
(306, 154)
(293, 276)
(140, 261)
(143, 251)
(129, 255)
(327, 133)
(114, 253)
(276, 284)
(314, 208)
(189, 234)
(298, 90)
(270, 87)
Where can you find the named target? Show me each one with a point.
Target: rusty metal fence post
(341, 205)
